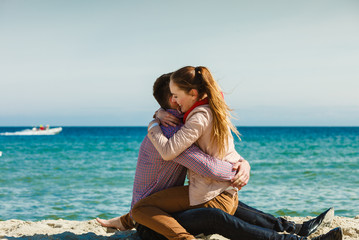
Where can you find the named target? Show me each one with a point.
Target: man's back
(153, 174)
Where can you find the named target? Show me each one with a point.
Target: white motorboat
(34, 131)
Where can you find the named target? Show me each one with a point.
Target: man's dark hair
(161, 90)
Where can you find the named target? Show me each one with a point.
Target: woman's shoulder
(201, 114)
(204, 110)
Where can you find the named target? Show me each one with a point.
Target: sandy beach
(64, 229)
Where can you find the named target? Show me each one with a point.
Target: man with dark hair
(153, 174)
(161, 91)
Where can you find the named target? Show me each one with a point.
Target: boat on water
(34, 131)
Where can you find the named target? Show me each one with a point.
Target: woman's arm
(191, 131)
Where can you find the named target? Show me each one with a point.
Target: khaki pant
(154, 211)
(127, 221)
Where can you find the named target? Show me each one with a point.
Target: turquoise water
(86, 172)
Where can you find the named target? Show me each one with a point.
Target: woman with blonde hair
(207, 124)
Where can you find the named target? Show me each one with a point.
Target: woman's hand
(243, 173)
(167, 118)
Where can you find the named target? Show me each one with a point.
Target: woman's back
(203, 189)
(201, 118)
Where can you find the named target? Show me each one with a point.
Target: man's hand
(167, 118)
(243, 171)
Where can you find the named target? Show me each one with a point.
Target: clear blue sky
(280, 63)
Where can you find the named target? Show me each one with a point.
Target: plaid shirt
(153, 174)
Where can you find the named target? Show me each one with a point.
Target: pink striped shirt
(153, 174)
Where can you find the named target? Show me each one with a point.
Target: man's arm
(194, 159)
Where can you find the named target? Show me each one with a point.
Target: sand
(64, 229)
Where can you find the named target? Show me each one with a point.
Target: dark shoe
(312, 225)
(334, 234)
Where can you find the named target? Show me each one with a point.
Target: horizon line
(146, 126)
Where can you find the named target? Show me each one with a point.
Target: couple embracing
(192, 133)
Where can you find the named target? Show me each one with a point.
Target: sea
(87, 172)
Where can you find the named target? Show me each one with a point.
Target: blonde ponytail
(222, 125)
(201, 79)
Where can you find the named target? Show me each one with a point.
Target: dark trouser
(247, 223)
